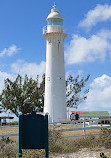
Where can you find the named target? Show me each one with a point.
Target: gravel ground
(83, 153)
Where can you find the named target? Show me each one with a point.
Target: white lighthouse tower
(55, 86)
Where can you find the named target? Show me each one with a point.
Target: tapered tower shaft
(55, 87)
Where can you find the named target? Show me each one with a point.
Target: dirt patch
(73, 133)
(8, 130)
(83, 153)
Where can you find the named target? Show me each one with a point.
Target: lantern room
(54, 22)
(54, 18)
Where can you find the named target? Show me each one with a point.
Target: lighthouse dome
(54, 18)
(55, 15)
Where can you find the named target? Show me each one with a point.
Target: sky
(87, 46)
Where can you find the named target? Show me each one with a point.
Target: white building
(55, 86)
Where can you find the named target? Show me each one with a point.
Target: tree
(1, 110)
(74, 90)
(27, 95)
(23, 95)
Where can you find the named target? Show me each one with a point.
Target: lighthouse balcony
(53, 29)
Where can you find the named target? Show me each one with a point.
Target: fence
(88, 124)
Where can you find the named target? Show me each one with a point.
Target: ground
(83, 153)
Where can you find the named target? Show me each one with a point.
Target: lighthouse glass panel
(55, 21)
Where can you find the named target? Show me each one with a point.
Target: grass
(12, 130)
(12, 123)
(109, 155)
(57, 144)
(8, 148)
(74, 133)
(9, 130)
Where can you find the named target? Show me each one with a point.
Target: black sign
(33, 131)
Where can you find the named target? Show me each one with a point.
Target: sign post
(46, 137)
(33, 133)
(20, 138)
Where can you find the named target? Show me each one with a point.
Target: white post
(68, 113)
(84, 125)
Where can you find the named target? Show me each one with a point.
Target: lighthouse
(55, 86)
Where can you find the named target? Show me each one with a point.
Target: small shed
(91, 115)
(4, 119)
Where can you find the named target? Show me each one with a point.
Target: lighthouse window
(48, 78)
(60, 78)
(59, 41)
(49, 41)
(55, 21)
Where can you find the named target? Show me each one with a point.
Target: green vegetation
(58, 144)
(1, 110)
(23, 95)
(12, 123)
(33, 154)
(105, 137)
(8, 148)
(74, 90)
(26, 94)
(109, 155)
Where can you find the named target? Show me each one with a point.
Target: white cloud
(9, 51)
(21, 67)
(31, 69)
(3, 76)
(82, 50)
(100, 13)
(99, 96)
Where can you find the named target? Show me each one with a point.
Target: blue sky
(87, 47)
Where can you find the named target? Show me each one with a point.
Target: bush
(109, 155)
(58, 144)
(33, 154)
(105, 137)
(12, 123)
(8, 148)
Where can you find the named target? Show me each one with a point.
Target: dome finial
(54, 6)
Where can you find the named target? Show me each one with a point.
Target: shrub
(57, 144)
(12, 123)
(109, 155)
(8, 148)
(105, 137)
(33, 154)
